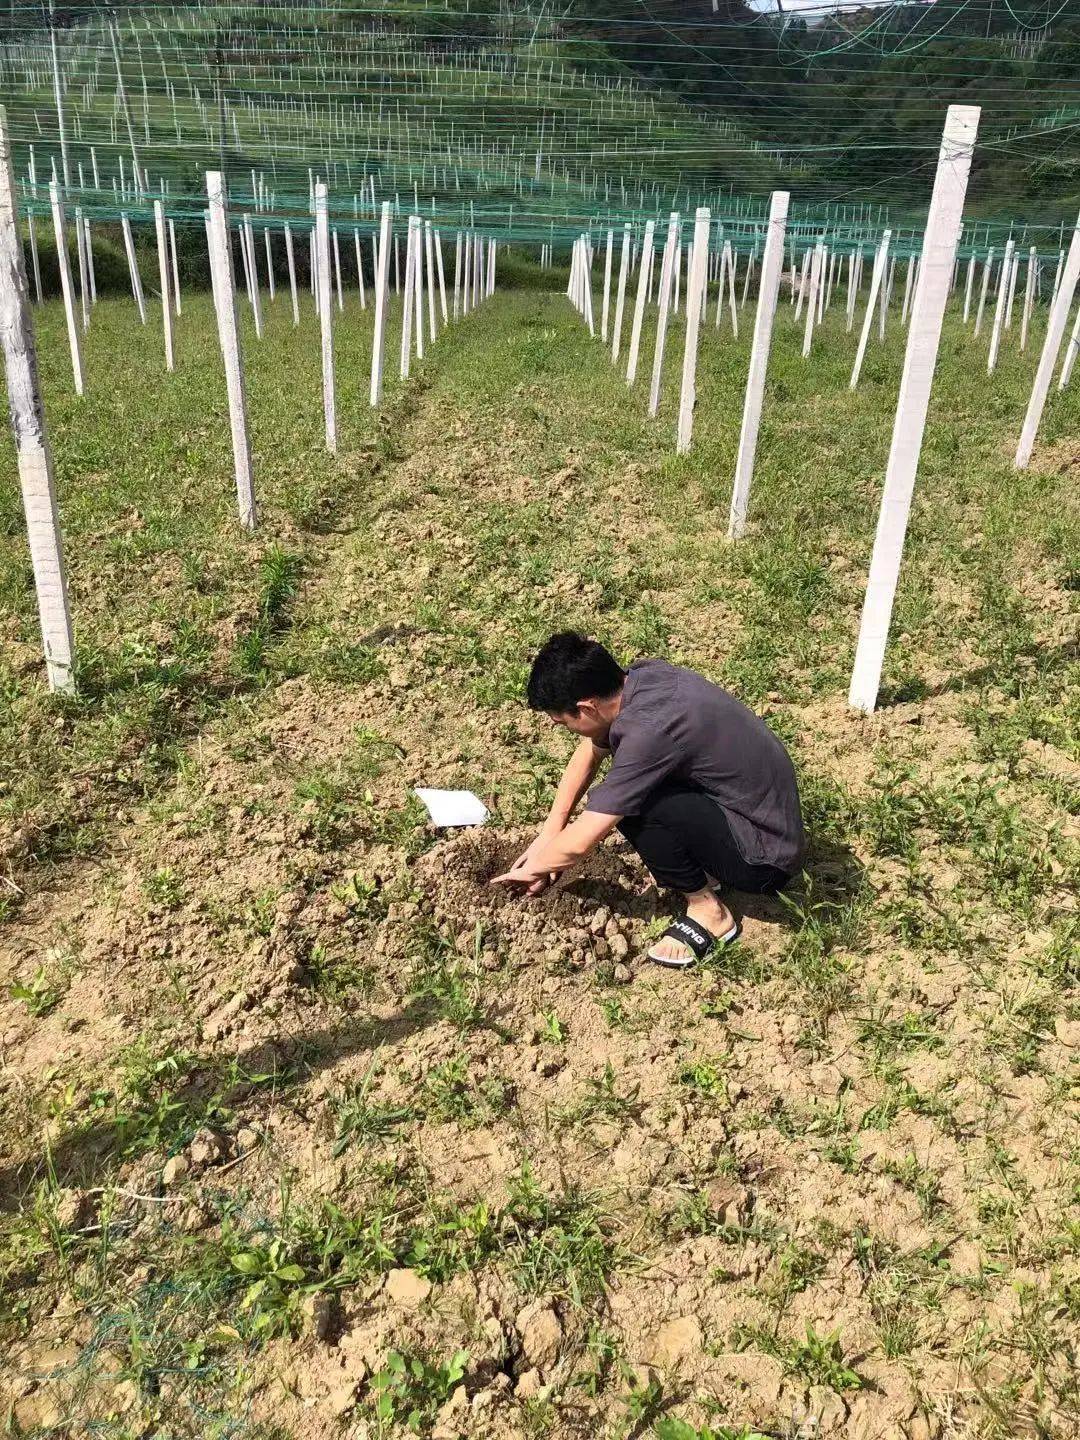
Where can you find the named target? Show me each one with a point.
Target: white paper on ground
(453, 807)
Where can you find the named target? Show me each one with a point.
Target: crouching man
(699, 785)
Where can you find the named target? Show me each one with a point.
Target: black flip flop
(695, 938)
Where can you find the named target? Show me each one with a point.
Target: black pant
(683, 836)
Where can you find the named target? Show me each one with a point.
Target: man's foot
(709, 916)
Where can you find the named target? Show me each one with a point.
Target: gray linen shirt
(676, 725)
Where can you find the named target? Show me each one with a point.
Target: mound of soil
(600, 908)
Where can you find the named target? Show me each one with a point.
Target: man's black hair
(569, 669)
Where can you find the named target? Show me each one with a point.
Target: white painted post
(177, 307)
(84, 273)
(644, 271)
(1053, 293)
(247, 236)
(1055, 331)
(1070, 354)
(34, 452)
(586, 286)
(876, 279)
(999, 308)
(359, 268)
(90, 262)
(1012, 289)
(133, 268)
(163, 275)
(907, 291)
(457, 275)
(466, 273)
(407, 307)
(326, 314)
(1029, 296)
(624, 265)
(967, 289)
(221, 266)
(982, 293)
(442, 277)
(35, 259)
(671, 250)
(607, 289)
(731, 262)
(772, 266)
(337, 274)
(418, 288)
(939, 251)
(382, 295)
(812, 298)
(803, 278)
(695, 304)
(851, 290)
(271, 284)
(290, 256)
(429, 248)
(64, 261)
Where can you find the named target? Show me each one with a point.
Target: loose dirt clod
(589, 912)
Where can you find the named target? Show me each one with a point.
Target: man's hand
(524, 872)
(546, 858)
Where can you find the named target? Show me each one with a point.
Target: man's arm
(560, 851)
(576, 779)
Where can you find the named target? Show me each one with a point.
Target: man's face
(586, 721)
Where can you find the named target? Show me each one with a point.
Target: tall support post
(33, 450)
(663, 299)
(64, 261)
(920, 359)
(271, 284)
(248, 239)
(644, 271)
(909, 274)
(466, 273)
(84, 272)
(407, 307)
(852, 290)
(731, 262)
(1029, 296)
(457, 275)
(695, 305)
(987, 268)
(772, 266)
(35, 259)
(133, 267)
(442, 277)
(877, 279)
(359, 268)
(418, 288)
(382, 300)
(90, 261)
(163, 276)
(429, 254)
(58, 92)
(221, 267)
(607, 287)
(999, 308)
(803, 281)
(1055, 331)
(620, 300)
(968, 288)
(337, 274)
(1070, 354)
(586, 286)
(326, 314)
(1053, 293)
(290, 257)
(177, 306)
(1012, 289)
(812, 298)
